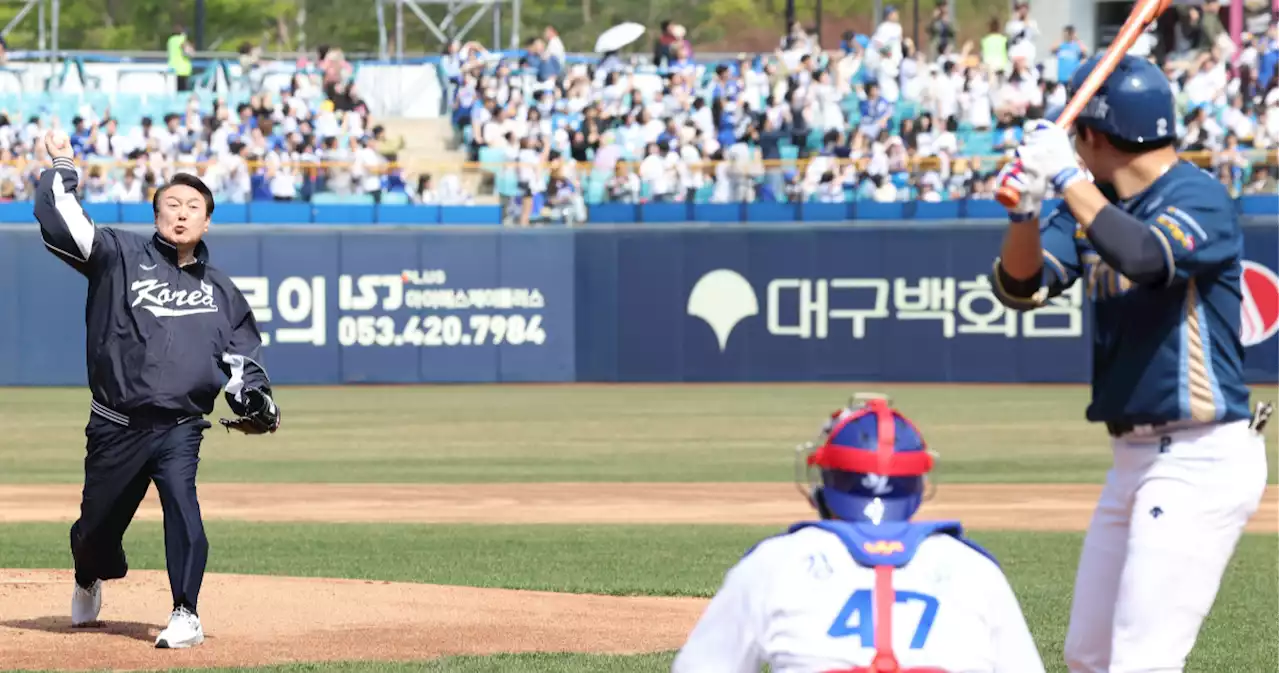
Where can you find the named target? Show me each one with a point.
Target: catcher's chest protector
(884, 548)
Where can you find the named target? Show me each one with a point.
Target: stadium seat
(492, 160)
(790, 153)
(593, 191)
(505, 183)
(704, 193)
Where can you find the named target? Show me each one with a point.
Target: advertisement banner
(337, 307)
(726, 303)
(819, 304)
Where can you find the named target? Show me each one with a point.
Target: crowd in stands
(880, 118)
(307, 139)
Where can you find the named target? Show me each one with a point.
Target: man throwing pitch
(1158, 245)
(164, 328)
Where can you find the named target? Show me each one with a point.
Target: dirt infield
(1038, 507)
(252, 620)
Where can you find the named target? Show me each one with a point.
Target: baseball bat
(1144, 12)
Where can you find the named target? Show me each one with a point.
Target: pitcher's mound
(256, 620)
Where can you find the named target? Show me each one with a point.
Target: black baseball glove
(261, 415)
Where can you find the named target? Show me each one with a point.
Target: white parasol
(618, 37)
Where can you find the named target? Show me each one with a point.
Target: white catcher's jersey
(801, 603)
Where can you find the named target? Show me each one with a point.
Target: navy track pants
(119, 465)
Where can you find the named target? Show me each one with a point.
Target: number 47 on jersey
(856, 617)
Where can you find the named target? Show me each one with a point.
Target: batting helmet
(1134, 104)
(868, 464)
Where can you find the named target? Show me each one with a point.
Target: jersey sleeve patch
(1186, 220)
(1175, 232)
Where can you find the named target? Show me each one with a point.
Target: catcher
(166, 332)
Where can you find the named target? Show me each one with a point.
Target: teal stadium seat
(395, 199)
(326, 198)
(331, 199)
(492, 160)
(814, 141)
(594, 190)
(905, 110)
(704, 193)
(789, 153)
(506, 184)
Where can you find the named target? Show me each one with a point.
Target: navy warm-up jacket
(161, 339)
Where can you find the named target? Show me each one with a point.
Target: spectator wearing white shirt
(888, 36)
(654, 173)
(945, 144)
(912, 72)
(494, 133)
(530, 180)
(692, 170)
(827, 110)
(367, 169)
(885, 192)
(555, 47)
(1238, 120)
(1022, 32)
(128, 189)
(887, 73)
(924, 136)
(975, 99)
(424, 193)
(237, 185)
(941, 95)
(928, 186)
(281, 176)
(108, 142)
(1271, 119)
(1209, 85)
(1020, 92)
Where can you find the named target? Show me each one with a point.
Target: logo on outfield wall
(723, 298)
(1260, 303)
(823, 308)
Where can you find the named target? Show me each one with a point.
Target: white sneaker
(86, 604)
(184, 631)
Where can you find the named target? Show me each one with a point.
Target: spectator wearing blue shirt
(80, 137)
(1071, 52)
(1269, 59)
(545, 67)
(725, 87)
(876, 112)
(247, 121)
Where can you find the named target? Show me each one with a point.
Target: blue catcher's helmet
(1135, 103)
(871, 461)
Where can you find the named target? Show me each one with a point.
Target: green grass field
(665, 433)
(1241, 634)
(608, 433)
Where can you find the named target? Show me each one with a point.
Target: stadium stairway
(430, 148)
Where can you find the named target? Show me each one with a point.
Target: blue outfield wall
(726, 303)
(301, 212)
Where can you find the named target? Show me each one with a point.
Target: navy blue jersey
(161, 338)
(1169, 350)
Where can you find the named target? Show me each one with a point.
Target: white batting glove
(1048, 153)
(1031, 191)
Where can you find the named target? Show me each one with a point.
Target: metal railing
(1254, 157)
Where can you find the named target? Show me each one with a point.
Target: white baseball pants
(1167, 523)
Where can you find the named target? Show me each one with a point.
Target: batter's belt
(1261, 413)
